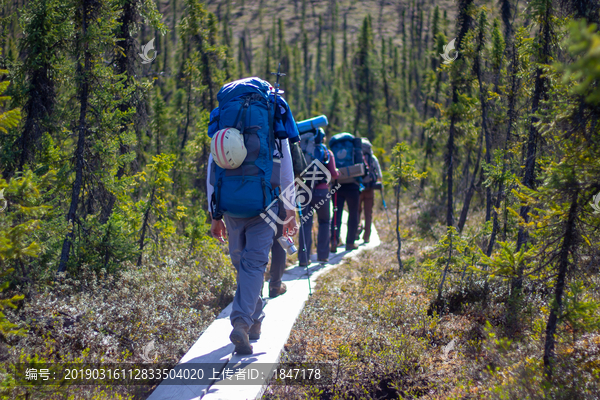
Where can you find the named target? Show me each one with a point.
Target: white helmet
(227, 148)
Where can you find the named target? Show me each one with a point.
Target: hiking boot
(276, 291)
(323, 260)
(350, 247)
(254, 332)
(334, 245)
(239, 337)
(359, 231)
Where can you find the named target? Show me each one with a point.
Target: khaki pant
(367, 197)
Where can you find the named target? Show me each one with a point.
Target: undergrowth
(385, 334)
(108, 318)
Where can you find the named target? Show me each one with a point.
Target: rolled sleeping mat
(311, 124)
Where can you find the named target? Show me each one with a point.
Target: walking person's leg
(351, 196)
(337, 223)
(250, 241)
(278, 257)
(323, 215)
(333, 224)
(305, 235)
(368, 197)
(361, 200)
(360, 206)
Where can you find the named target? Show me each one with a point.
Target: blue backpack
(248, 190)
(344, 150)
(313, 148)
(347, 151)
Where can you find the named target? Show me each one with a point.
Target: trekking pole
(335, 227)
(279, 74)
(385, 205)
(276, 90)
(303, 239)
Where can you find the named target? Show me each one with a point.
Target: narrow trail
(213, 352)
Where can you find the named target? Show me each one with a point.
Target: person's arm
(288, 189)
(331, 166)
(377, 169)
(217, 226)
(287, 173)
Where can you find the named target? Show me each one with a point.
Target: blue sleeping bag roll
(312, 124)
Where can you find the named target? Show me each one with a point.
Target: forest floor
(157, 311)
(375, 333)
(371, 323)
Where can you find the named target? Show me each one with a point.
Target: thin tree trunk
(187, 116)
(529, 174)
(174, 24)
(39, 106)
(380, 19)
(441, 286)
(463, 27)
(484, 124)
(427, 141)
(306, 69)
(450, 164)
(41, 95)
(506, 11)
(208, 80)
(539, 92)
(398, 237)
(511, 121)
(559, 289)
(470, 191)
(145, 226)
(465, 172)
(369, 111)
(84, 74)
(125, 65)
(386, 92)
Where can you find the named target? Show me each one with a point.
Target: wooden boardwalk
(213, 350)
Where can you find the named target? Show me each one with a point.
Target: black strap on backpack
(240, 124)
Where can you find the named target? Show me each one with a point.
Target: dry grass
(108, 318)
(374, 325)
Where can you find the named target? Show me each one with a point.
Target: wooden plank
(213, 348)
(280, 315)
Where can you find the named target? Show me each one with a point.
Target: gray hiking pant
(250, 241)
(319, 205)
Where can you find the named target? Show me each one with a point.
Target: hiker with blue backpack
(250, 162)
(347, 151)
(371, 182)
(311, 143)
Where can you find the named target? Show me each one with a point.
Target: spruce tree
(365, 77)
(47, 28)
